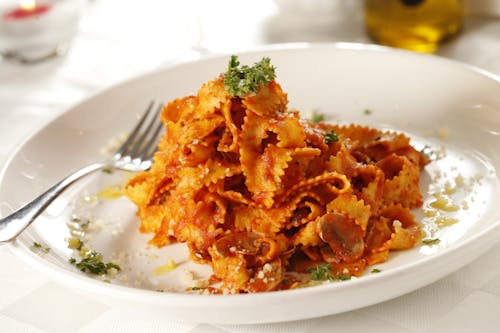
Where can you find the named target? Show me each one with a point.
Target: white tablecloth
(120, 39)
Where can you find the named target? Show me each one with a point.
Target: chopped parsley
(109, 171)
(240, 81)
(85, 225)
(317, 117)
(431, 241)
(36, 247)
(375, 270)
(321, 272)
(344, 277)
(79, 223)
(331, 136)
(367, 112)
(72, 261)
(93, 264)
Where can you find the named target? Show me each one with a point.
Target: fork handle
(11, 226)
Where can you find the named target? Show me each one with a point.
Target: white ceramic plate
(451, 107)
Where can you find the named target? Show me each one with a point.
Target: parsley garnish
(38, 247)
(109, 171)
(367, 112)
(72, 261)
(431, 241)
(240, 81)
(85, 225)
(344, 277)
(321, 272)
(331, 136)
(375, 270)
(93, 264)
(317, 117)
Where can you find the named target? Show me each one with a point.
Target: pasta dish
(264, 196)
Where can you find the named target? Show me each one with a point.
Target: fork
(135, 154)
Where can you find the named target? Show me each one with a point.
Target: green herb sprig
(317, 117)
(94, 264)
(39, 247)
(331, 136)
(240, 81)
(323, 272)
(431, 241)
(109, 171)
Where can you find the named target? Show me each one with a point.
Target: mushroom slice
(256, 249)
(343, 235)
(246, 243)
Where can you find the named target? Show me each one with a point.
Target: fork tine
(152, 143)
(124, 148)
(145, 140)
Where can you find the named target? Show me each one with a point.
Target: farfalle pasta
(257, 192)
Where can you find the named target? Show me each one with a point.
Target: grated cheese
(397, 224)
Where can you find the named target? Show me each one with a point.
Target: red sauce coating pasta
(255, 191)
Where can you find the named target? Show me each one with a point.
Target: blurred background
(107, 41)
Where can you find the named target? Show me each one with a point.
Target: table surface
(103, 54)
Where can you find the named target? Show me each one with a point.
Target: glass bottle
(418, 25)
